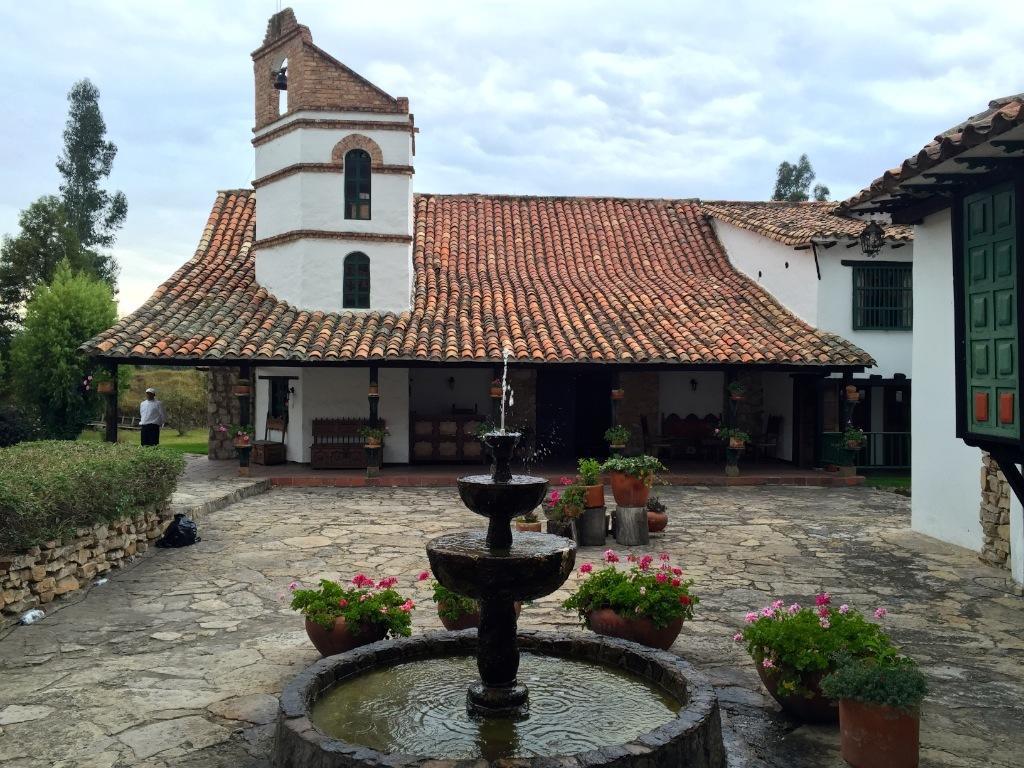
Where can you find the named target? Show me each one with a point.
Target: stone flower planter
(639, 629)
(343, 638)
(816, 708)
(874, 734)
(629, 490)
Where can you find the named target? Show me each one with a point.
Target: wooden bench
(337, 443)
(267, 451)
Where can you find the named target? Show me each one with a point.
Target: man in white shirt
(151, 418)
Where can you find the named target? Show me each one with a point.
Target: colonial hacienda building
(338, 293)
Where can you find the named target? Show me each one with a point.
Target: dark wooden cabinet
(445, 439)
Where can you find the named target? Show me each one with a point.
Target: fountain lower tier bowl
(485, 496)
(536, 564)
(604, 701)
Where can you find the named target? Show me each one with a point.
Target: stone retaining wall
(36, 577)
(221, 408)
(995, 514)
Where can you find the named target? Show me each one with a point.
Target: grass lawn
(895, 482)
(191, 442)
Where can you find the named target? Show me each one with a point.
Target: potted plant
(794, 647)
(562, 507)
(528, 522)
(617, 436)
(105, 383)
(632, 478)
(241, 436)
(457, 611)
(374, 390)
(854, 438)
(374, 436)
(618, 394)
(657, 517)
(590, 479)
(242, 388)
(736, 390)
(340, 618)
(647, 603)
(879, 710)
(497, 391)
(736, 439)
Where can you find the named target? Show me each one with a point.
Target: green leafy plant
(484, 428)
(529, 517)
(451, 605)
(17, 425)
(617, 435)
(657, 592)
(736, 388)
(799, 642)
(725, 434)
(361, 602)
(186, 408)
(654, 504)
(590, 471)
(373, 433)
(565, 503)
(853, 435)
(892, 682)
(49, 489)
(644, 467)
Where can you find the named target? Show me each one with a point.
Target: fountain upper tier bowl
(536, 564)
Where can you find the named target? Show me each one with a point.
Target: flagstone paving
(178, 660)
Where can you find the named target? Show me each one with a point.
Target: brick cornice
(324, 234)
(291, 170)
(329, 124)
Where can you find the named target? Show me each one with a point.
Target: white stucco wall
(431, 394)
(764, 261)
(778, 401)
(676, 395)
(891, 349)
(308, 273)
(946, 491)
(314, 145)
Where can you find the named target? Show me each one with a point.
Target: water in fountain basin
(419, 708)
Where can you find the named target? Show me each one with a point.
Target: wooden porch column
(374, 455)
(110, 405)
(244, 401)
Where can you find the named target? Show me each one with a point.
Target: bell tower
(333, 179)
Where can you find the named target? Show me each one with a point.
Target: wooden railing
(882, 450)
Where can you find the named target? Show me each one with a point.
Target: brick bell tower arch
(311, 210)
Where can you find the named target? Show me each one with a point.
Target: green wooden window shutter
(357, 184)
(883, 297)
(356, 282)
(990, 312)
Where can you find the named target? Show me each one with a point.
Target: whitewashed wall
(946, 491)
(675, 394)
(431, 395)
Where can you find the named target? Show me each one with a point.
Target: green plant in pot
(528, 522)
(794, 647)
(735, 439)
(340, 618)
(646, 603)
(879, 709)
(854, 438)
(632, 478)
(590, 478)
(373, 436)
(617, 436)
(562, 506)
(455, 611)
(736, 390)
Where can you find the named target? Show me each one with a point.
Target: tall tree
(793, 182)
(88, 157)
(46, 367)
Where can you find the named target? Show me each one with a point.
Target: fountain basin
(535, 565)
(689, 736)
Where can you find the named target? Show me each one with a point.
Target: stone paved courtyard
(177, 661)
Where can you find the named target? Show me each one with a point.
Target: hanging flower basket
(241, 390)
(496, 389)
(373, 443)
(374, 390)
(105, 387)
(618, 394)
(852, 395)
(242, 441)
(736, 443)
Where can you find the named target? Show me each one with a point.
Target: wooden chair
(267, 451)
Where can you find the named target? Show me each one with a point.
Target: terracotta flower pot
(854, 445)
(241, 390)
(242, 442)
(639, 629)
(618, 394)
(737, 397)
(496, 392)
(374, 391)
(874, 734)
(523, 525)
(656, 521)
(594, 496)
(815, 708)
(736, 444)
(629, 490)
(467, 620)
(343, 638)
(372, 442)
(105, 387)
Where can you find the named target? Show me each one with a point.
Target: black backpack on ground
(182, 532)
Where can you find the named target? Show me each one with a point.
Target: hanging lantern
(872, 239)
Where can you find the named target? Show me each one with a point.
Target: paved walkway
(178, 660)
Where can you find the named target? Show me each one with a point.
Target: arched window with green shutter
(356, 282)
(357, 184)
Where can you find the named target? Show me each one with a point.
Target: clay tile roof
(553, 279)
(796, 223)
(1002, 115)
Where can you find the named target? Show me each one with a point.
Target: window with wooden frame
(357, 184)
(356, 282)
(883, 297)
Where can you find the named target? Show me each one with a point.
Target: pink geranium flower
(294, 585)
(664, 557)
(737, 637)
(880, 613)
(777, 604)
(586, 568)
(844, 608)
(554, 497)
(645, 562)
(823, 612)
(661, 578)
(825, 623)
(751, 617)
(794, 608)
(407, 606)
(610, 556)
(767, 663)
(567, 480)
(424, 575)
(823, 599)
(342, 602)
(767, 611)
(387, 582)
(677, 571)
(631, 558)
(676, 582)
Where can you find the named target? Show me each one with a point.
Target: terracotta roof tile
(554, 279)
(1001, 116)
(796, 223)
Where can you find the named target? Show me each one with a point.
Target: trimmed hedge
(48, 489)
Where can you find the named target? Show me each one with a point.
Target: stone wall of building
(45, 572)
(221, 408)
(641, 398)
(995, 514)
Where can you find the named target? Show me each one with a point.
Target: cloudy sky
(644, 99)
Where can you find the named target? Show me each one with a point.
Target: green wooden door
(990, 279)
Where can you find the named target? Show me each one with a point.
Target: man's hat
(150, 391)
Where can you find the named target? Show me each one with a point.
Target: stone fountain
(592, 701)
